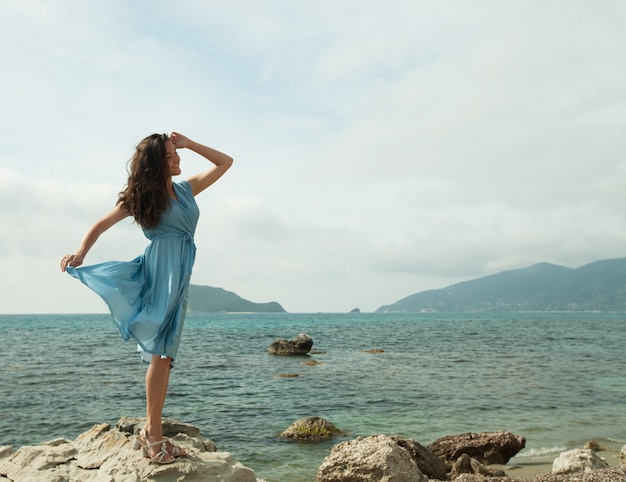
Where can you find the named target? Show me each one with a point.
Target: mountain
(206, 299)
(598, 286)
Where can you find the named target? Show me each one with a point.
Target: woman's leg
(157, 380)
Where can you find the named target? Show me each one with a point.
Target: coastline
(530, 467)
(522, 468)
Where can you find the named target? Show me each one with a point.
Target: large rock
(300, 345)
(578, 460)
(104, 454)
(429, 464)
(487, 447)
(372, 459)
(311, 428)
(469, 465)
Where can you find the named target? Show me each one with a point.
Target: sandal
(175, 450)
(142, 442)
(172, 449)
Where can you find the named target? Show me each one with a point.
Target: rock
(5, 451)
(311, 428)
(487, 447)
(595, 446)
(104, 454)
(372, 459)
(429, 464)
(49, 461)
(171, 428)
(604, 475)
(578, 460)
(311, 363)
(469, 465)
(300, 345)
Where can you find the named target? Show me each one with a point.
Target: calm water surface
(558, 379)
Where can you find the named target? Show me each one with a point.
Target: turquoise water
(557, 379)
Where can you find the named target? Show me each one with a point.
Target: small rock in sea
(287, 375)
(374, 350)
(311, 428)
(311, 363)
(300, 345)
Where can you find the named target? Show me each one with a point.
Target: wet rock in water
(300, 345)
(311, 428)
(487, 447)
(311, 363)
(378, 458)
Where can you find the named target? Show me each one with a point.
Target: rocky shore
(104, 454)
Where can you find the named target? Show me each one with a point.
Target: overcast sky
(381, 148)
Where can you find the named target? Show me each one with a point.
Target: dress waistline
(185, 236)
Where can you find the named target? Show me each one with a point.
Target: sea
(558, 379)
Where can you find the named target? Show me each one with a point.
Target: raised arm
(114, 216)
(199, 182)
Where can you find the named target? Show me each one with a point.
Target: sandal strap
(176, 450)
(162, 442)
(161, 456)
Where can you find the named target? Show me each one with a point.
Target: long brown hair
(145, 196)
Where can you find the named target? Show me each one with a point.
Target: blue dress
(147, 296)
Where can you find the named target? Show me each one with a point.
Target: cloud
(380, 148)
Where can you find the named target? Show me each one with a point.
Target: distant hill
(598, 286)
(205, 299)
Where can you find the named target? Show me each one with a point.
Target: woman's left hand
(71, 260)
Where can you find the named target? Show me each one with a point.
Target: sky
(382, 148)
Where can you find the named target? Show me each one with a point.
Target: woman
(148, 296)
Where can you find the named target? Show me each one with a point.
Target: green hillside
(206, 299)
(598, 286)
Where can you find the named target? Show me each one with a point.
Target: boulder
(429, 464)
(595, 446)
(104, 454)
(378, 458)
(300, 345)
(311, 428)
(578, 460)
(487, 447)
(469, 465)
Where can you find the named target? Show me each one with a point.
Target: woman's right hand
(71, 260)
(180, 141)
